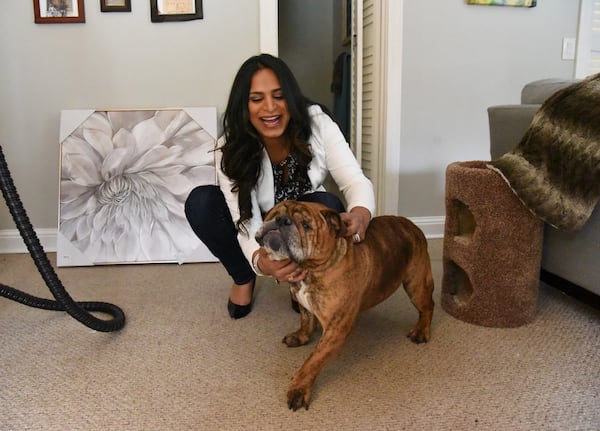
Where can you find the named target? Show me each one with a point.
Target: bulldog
(344, 278)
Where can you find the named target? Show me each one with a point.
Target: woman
(276, 146)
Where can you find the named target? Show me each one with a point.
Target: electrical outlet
(568, 48)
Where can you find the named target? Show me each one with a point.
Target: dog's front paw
(296, 339)
(298, 397)
(418, 336)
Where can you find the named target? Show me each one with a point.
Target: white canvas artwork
(124, 179)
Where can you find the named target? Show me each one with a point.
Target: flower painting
(124, 178)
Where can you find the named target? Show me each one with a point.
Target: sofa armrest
(508, 124)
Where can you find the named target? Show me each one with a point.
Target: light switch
(568, 48)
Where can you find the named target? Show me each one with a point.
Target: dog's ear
(334, 221)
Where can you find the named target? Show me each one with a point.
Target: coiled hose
(64, 302)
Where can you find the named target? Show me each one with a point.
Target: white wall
(458, 60)
(114, 60)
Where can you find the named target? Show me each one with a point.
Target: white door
(376, 91)
(356, 79)
(366, 88)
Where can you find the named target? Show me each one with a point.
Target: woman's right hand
(282, 270)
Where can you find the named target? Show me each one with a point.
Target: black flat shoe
(238, 311)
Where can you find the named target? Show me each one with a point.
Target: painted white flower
(124, 180)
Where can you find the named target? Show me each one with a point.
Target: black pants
(210, 219)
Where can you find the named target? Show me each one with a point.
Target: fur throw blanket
(555, 169)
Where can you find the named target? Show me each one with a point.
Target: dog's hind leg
(419, 287)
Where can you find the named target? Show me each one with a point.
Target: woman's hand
(356, 221)
(282, 270)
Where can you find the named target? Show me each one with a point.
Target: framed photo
(517, 3)
(175, 10)
(58, 11)
(115, 5)
(124, 179)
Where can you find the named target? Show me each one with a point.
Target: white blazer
(331, 154)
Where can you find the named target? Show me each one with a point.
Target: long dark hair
(243, 148)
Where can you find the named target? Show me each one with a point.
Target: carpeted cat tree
(492, 249)
(495, 210)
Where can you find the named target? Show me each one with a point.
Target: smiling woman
(277, 145)
(268, 112)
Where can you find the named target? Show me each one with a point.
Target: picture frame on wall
(115, 5)
(58, 11)
(175, 10)
(515, 3)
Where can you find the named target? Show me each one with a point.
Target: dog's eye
(306, 225)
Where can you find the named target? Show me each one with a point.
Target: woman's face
(267, 107)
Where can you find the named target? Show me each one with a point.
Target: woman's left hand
(356, 221)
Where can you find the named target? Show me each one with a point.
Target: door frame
(390, 151)
(268, 27)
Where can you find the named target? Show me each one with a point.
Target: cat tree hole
(458, 282)
(464, 220)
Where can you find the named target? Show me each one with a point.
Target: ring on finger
(356, 237)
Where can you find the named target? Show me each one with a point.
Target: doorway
(310, 42)
(380, 28)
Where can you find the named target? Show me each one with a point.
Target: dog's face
(300, 231)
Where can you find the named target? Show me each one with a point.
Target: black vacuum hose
(64, 302)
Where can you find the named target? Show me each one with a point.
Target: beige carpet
(181, 363)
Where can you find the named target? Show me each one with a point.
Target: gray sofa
(574, 257)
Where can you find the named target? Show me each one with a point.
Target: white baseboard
(432, 227)
(11, 241)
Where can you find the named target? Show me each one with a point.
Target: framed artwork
(58, 11)
(175, 10)
(115, 5)
(517, 3)
(124, 179)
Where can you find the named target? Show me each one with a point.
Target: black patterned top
(289, 185)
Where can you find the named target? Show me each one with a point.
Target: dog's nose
(283, 220)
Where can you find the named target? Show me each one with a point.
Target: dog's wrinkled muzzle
(264, 230)
(272, 235)
(272, 227)
(273, 240)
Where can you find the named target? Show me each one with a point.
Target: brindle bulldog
(344, 278)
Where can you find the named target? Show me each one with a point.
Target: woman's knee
(202, 202)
